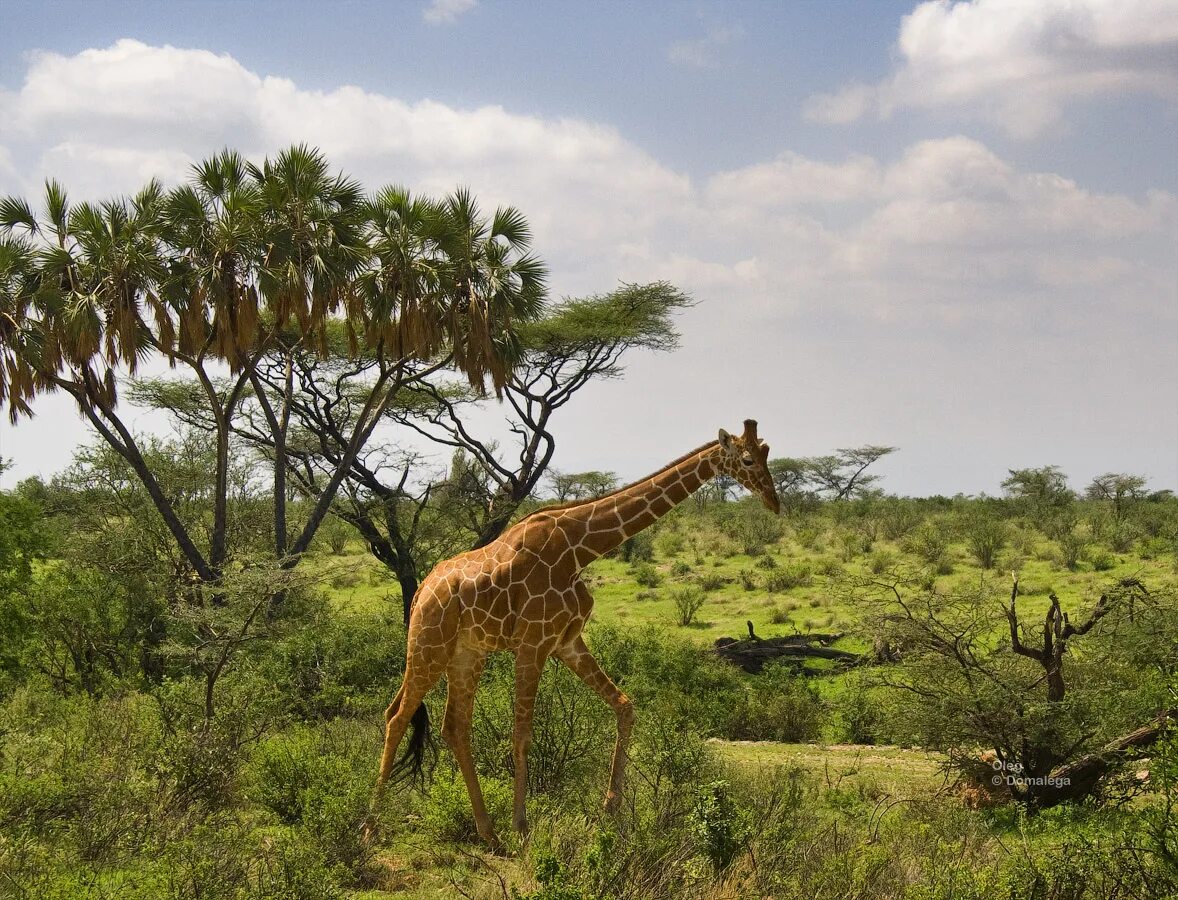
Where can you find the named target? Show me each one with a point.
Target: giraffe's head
(746, 458)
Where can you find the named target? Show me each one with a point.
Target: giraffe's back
(519, 589)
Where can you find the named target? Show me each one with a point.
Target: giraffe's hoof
(521, 826)
(612, 801)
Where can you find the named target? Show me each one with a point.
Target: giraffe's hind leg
(432, 633)
(462, 680)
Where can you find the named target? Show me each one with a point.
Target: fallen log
(752, 653)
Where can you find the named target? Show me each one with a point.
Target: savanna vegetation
(200, 631)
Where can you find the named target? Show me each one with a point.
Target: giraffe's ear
(725, 440)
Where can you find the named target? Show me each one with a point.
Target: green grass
(896, 771)
(355, 580)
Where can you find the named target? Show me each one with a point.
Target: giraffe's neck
(601, 525)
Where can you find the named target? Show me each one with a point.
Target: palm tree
(493, 284)
(243, 266)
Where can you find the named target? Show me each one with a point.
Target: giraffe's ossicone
(523, 593)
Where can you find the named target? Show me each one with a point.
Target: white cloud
(1019, 64)
(826, 275)
(704, 52)
(443, 12)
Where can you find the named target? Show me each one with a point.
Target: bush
(293, 868)
(446, 811)
(852, 544)
(572, 737)
(1122, 536)
(646, 574)
(670, 542)
(781, 614)
(679, 568)
(792, 576)
(930, 544)
(1101, 560)
(779, 705)
(857, 718)
(338, 664)
(755, 527)
(748, 579)
(830, 567)
(688, 601)
(1072, 544)
(711, 581)
(985, 537)
(882, 561)
(336, 533)
(719, 824)
(638, 548)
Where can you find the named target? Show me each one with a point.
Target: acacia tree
(409, 513)
(243, 262)
(1050, 723)
(841, 475)
(1119, 489)
(1042, 493)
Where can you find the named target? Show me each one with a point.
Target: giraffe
(522, 593)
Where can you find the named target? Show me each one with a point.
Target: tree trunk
(1076, 780)
(751, 654)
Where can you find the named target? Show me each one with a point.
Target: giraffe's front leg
(577, 657)
(529, 664)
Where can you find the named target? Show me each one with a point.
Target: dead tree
(1057, 632)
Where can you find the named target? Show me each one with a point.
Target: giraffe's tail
(419, 745)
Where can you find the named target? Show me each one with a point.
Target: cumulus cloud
(883, 264)
(1019, 64)
(443, 12)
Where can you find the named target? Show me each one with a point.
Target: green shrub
(791, 576)
(882, 561)
(857, 713)
(748, 579)
(852, 544)
(1072, 544)
(646, 574)
(830, 567)
(688, 601)
(446, 812)
(1122, 536)
(930, 544)
(718, 824)
(335, 664)
(755, 527)
(294, 868)
(335, 533)
(638, 548)
(670, 543)
(711, 581)
(281, 770)
(778, 705)
(985, 537)
(679, 568)
(1101, 560)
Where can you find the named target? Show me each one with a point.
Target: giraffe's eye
(746, 461)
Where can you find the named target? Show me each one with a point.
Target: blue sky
(946, 226)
